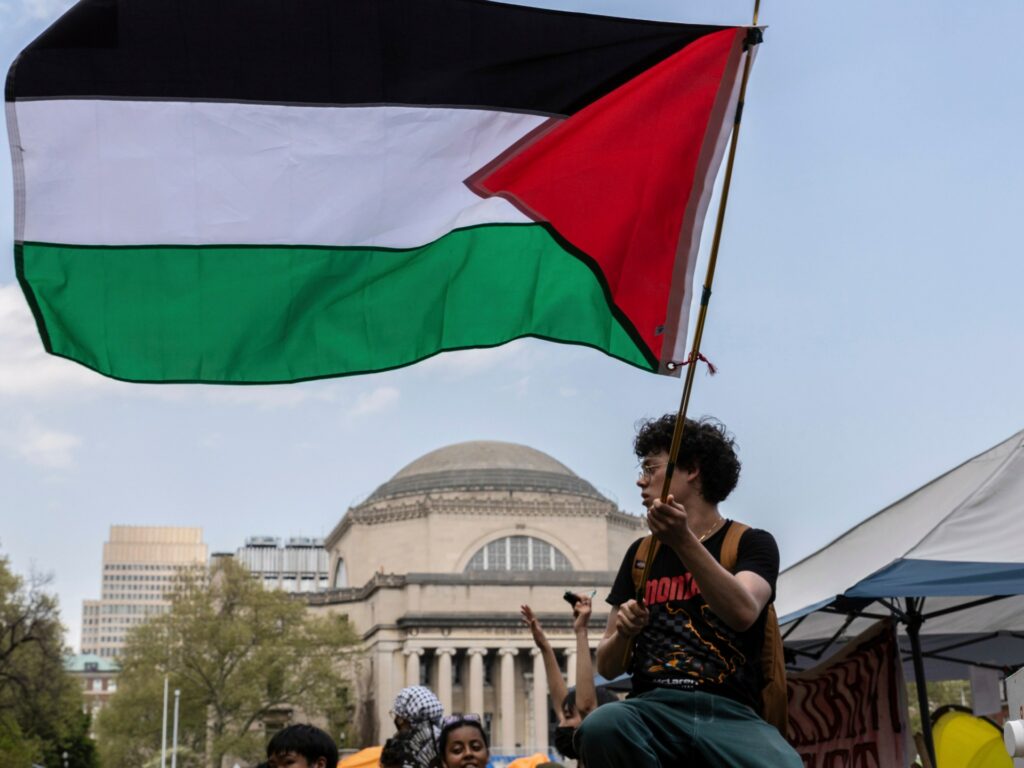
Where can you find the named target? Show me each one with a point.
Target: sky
(866, 323)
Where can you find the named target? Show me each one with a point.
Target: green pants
(681, 729)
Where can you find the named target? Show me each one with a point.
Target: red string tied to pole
(712, 369)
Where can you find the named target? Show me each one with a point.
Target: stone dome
(485, 465)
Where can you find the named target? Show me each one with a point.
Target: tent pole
(913, 622)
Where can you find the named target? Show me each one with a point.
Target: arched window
(518, 553)
(340, 574)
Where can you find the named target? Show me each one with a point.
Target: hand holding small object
(581, 611)
(631, 618)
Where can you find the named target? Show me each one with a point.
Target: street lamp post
(163, 734)
(174, 748)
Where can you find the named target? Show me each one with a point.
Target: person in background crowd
(572, 705)
(462, 743)
(397, 752)
(302, 746)
(418, 713)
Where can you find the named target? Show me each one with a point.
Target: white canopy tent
(947, 561)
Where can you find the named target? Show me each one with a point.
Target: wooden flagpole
(705, 299)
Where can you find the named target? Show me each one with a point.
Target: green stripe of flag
(283, 313)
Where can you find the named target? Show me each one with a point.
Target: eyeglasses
(453, 721)
(647, 470)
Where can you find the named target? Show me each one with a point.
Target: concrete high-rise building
(301, 565)
(140, 565)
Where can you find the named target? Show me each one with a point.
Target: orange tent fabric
(364, 758)
(530, 762)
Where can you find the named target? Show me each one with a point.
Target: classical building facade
(140, 565)
(432, 568)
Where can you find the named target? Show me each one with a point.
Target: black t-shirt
(687, 647)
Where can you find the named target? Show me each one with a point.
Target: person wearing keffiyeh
(418, 713)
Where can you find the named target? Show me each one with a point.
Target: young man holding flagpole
(696, 638)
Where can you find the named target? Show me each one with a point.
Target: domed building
(432, 567)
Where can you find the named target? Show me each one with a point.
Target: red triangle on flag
(626, 181)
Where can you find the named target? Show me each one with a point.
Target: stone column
(475, 700)
(444, 677)
(387, 685)
(508, 699)
(540, 702)
(570, 667)
(412, 665)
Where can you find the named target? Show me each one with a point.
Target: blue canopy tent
(946, 561)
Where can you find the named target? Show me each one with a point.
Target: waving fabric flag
(265, 191)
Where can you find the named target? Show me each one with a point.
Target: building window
(426, 660)
(518, 553)
(489, 726)
(340, 574)
(488, 669)
(457, 662)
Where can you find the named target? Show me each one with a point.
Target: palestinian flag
(275, 190)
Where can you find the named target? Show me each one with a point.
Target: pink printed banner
(850, 710)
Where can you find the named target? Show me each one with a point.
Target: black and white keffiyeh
(418, 705)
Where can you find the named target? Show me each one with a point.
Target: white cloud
(271, 396)
(49, 448)
(26, 370)
(212, 440)
(39, 445)
(42, 10)
(518, 354)
(375, 401)
(519, 388)
(31, 16)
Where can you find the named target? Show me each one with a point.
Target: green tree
(40, 704)
(940, 693)
(243, 658)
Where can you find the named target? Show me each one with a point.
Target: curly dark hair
(707, 446)
(306, 740)
(397, 752)
(456, 721)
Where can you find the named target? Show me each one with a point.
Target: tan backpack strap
(774, 701)
(648, 548)
(731, 545)
(640, 562)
